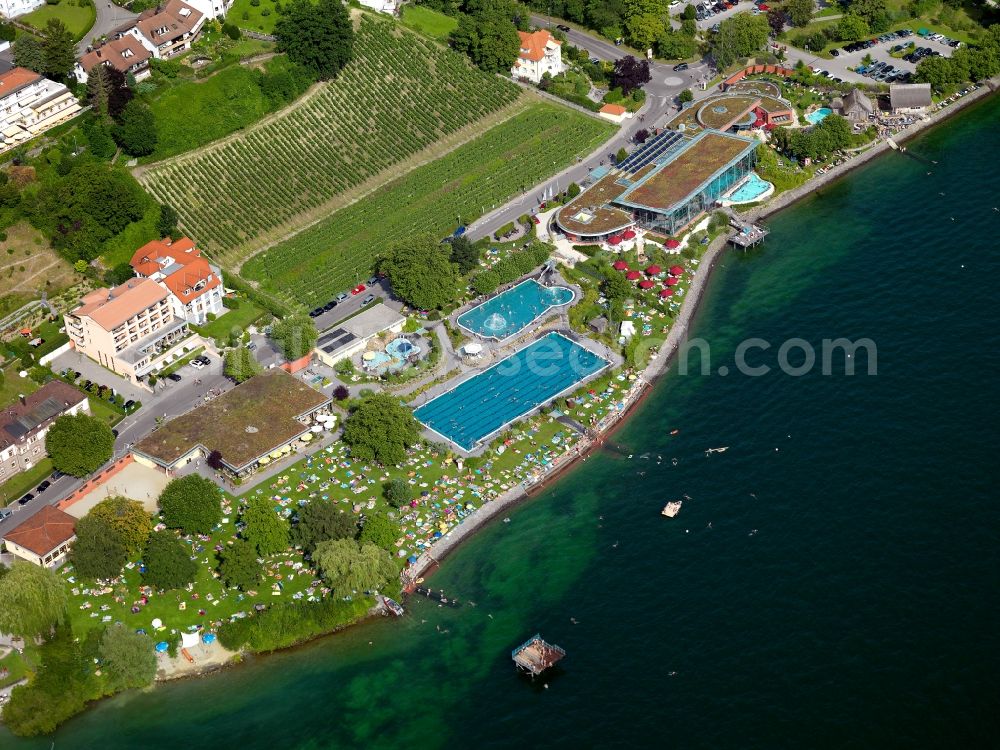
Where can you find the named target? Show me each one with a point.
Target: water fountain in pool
(495, 323)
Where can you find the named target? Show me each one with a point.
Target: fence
(94, 482)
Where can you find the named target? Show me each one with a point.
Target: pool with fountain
(483, 405)
(512, 311)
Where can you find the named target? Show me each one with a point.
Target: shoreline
(430, 561)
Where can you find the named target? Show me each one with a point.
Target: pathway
(109, 18)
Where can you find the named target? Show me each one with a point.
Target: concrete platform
(135, 481)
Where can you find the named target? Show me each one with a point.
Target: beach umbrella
(162, 647)
(263, 460)
(672, 244)
(157, 623)
(676, 270)
(306, 438)
(645, 284)
(653, 270)
(628, 234)
(666, 292)
(633, 275)
(672, 281)
(316, 428)
(412, 559)
(614, 240)
(208, 638)
(620, 265)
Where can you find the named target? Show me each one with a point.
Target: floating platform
(536, 655)
(671, 509)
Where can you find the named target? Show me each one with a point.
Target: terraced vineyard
(330, 256)
(400, 94)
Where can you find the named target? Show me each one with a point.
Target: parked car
(174, 377)
(197, 364)
(835, 52)
(358, 289)
(129, 404)
(26, 499)
(315, 313)
(43, 486)
(680, 66)
(563, 27)
(368, 300)
(252, 346)
(204, 360)
(5, 513)
(341, 297)
(329, 306)
(56, 475)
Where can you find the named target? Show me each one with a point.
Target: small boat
(672, 508)
(674, 432)
(393, 606)
(710, 451)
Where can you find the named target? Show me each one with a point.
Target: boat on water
(710, 451)
(394, 607)
(672, 508)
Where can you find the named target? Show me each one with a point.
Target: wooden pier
(535, 655)
(747, 235)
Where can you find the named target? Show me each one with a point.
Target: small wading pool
(481, 406)
(512, 311)
(819, 115)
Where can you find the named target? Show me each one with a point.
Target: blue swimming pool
(512, 311)
(749, 191)
(819, 115)
(484, 404)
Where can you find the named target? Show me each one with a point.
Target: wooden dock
(535, 655)
(747, 235)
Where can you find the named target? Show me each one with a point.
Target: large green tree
(264, 529)
(942, 73)
(852, 28)
(29, 53)
(129, 520)
(239, 565)
(79, 444)
(98, 552)
(381, 429)
(464, 254)
(421, 272)
(321, 520)
(136, 129)
(348, 566)
(318, 36)
(240, 365)
(379, 530)
(107, 92)
(397, 492)
(191, 504)
(874, 12)
(32, 600)
(296, 336)
(168, 562)
(127, 658)
(738, 37)
(800, 12)
(59, 49)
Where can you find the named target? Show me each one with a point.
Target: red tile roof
(533, 45)
(16, 79)
(109, 308)
(616, 110)
(44, 532)
(121, 54)
(184, 281)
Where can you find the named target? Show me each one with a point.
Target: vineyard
(328, 257)
(399, 95)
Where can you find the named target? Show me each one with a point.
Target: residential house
(390, 7)
(909, 98)
(31, 104)
(13, 8)
(131, 329)
(540, 53)
(125, 54)
(211, 8)
(194, 284)
(24, 424)
(44, 539)
(614, 112)
(855, 106)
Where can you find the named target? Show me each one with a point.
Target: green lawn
(241, 316)
(429, 22)
(246, 16)
(18, 484)
(13, 386)
(16, 668)
(120, 248)
(78, 20)
(104, 411)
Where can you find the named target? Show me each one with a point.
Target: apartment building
(24, 424)
(14, 8)
(31, 104)
(194, 284)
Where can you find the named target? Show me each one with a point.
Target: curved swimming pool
(815, 118)
(749, 191)
(511, 312)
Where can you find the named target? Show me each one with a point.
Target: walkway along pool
(486, 403)
(512, 311)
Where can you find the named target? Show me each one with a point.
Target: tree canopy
(32, 600)
(739, 36)
(128, 519)
(240, 364)
(833, 133)
(348, 566)
(874, 12)
(136, 129)
(321, 520)
(380, 530)
(296, 336)
(191, 504)
(263, 528)
(107, 92)
(29, 53)
(168, 562)
(318, 36)
(79, 444)
(98, 552)
(239, 566)
(381, 429)
(397, 492)
(800, 12)
(421, 272)
(59, 49)
(852, 28)
(127, 658)
(630, 74)
(463, 254)
(487, 35)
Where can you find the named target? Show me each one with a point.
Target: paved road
(109, 17)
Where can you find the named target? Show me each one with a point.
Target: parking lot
(348, 304)
(881, 50)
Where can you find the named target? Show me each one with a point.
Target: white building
(382, 6)
(31, 104)
(12, 8)
(194, 284)
(211, 8)
(540, 53)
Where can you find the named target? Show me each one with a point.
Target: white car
(197, 364)
(674, 3)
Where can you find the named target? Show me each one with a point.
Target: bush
(191, 504)
(289, 623)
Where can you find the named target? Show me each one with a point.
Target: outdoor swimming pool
(512, 311)
(751, 190)
(819, 115)
(481, 406)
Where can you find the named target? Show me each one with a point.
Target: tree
(800, 12)
(240, 364)
(380, 531)
(32, 600)
(263, 528)
(621, 156)
(136, 129)
(232, 31)
(215, 460)
(421, 272)
(738, 37)
(776, 20)
(874, 12)
(380, 429)
(486, 281)
(685, 96)
(348, 566)
(191, 504)
(498, 46)
(397, 492)
(295, 335)
(127, 658)
(317, 36)
(341, 393)
(641, 135)
(98, 552)
(463, 254)
(643, 29)
(677, 45)
(168, 562)
(59, 49)
(128, 519)
(689, 13)
(107, 92)
(29, 53)
(319, 521)
(941, 73)
(239, 566)
(630, 74)
(167, 223)
(852, 28)
(79, 444)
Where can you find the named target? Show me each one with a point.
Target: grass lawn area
(14, 386)
(16, 668)
(78, 20)
(120, 248)
(246, 16)
(239, 317)
(103, 410)
(17, 485)
(429, 22)
(175, 366)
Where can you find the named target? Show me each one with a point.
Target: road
(109, 18)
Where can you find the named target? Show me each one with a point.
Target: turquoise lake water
(514, 310)
(831, 583)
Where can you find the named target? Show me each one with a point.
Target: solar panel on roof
(652, 150)
(335, 340)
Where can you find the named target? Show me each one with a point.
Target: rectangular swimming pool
(512, 311)
(481, 406)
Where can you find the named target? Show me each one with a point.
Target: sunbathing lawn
(240, 317)
(78, 20)
(429, 22)
(11, 386)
